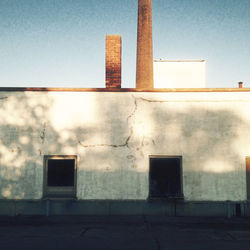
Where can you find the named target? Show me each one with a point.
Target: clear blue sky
(62, 42)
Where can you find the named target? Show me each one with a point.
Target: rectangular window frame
(181, 196)
(62, 191)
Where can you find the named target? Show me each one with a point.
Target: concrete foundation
(122, 207)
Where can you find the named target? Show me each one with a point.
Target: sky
(61, 43)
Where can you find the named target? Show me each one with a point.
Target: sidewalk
(124, 232)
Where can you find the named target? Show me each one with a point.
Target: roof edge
(53, 89)
(187, 60)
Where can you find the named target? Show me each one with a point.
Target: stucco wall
(113, 135)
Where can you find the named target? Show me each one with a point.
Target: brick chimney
(144, 64)
(113, 61)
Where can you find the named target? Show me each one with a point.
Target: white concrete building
(180, 150)
(179, 73)
(128, 152)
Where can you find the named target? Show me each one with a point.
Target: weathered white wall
(113, 135)
(180, 74)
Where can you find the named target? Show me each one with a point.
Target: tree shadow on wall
(112, 152)
(208, 137)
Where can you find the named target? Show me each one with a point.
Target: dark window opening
(165, 177)
(60, 176)
(61, 172)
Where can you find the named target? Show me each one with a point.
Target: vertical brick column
(113, 61)
(144, 64)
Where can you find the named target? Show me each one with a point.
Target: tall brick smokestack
(144, 64)
(113, 61)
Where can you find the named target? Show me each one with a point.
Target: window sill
(60, 198)
(166, 199)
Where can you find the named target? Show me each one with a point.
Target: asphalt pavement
(123, 232)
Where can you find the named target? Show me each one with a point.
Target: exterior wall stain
(3, 98)
(43, 133)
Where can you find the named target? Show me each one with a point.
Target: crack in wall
(144, 138)
(150, 100)
(43, 133)
(106, 145)
(131, 131)
(135, 109)
(126, 143)
(185, 101)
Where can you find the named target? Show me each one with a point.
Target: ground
(124, 232)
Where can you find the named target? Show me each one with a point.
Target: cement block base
(123, 207)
